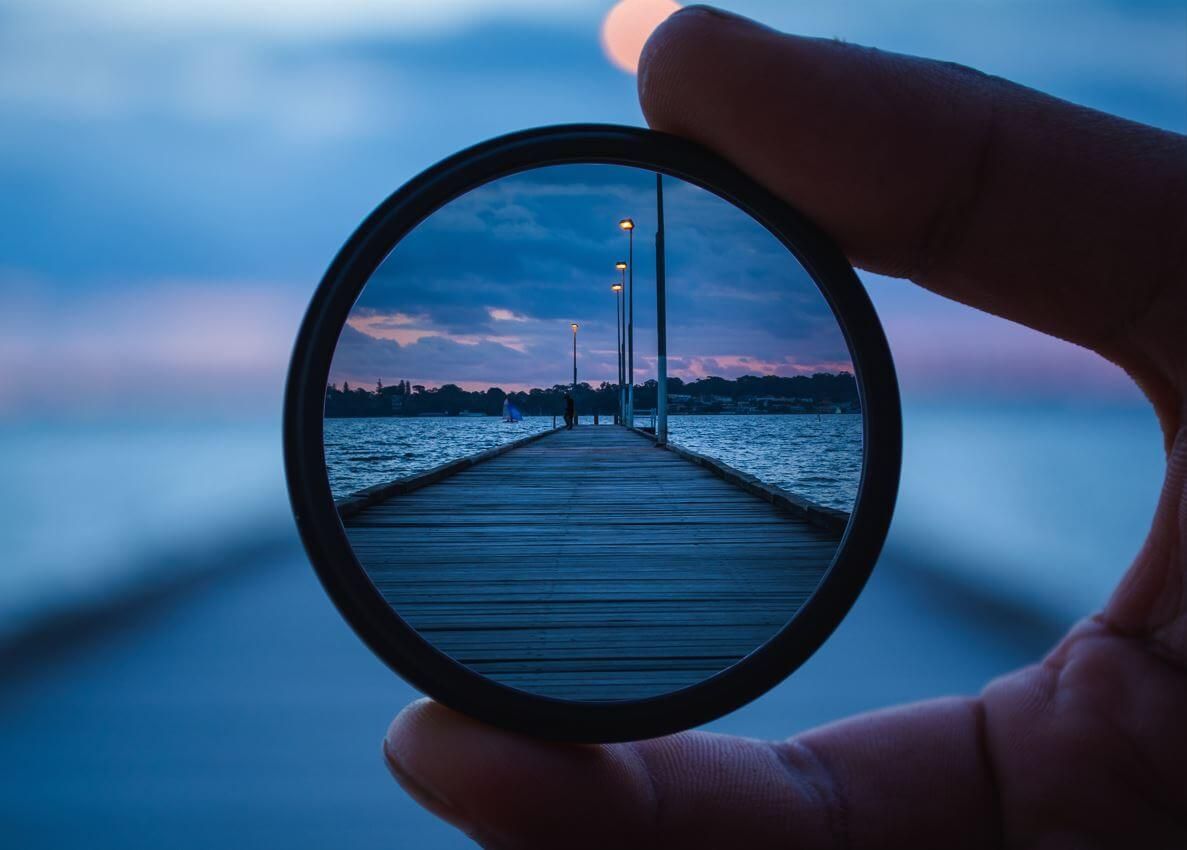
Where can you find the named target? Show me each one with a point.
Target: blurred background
(174, 178)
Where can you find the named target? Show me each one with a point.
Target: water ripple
(817, 457)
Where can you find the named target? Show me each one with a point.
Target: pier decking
(590, 564)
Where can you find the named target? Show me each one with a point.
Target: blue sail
(511, 412)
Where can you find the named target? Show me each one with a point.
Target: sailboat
(511, 412)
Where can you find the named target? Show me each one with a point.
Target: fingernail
(429, 799)
(416, 788)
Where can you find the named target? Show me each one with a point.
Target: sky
(174, 178)
(483, 292)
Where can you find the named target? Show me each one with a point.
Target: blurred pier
(243, 712)
(589, 564)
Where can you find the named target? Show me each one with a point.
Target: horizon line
(485, 387)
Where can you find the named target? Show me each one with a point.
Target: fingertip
(673, 52)
(497, 785)
(416, 738)
(661, 52)
(409, 726)
(506, 789)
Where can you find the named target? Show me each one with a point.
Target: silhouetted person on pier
(570, 412)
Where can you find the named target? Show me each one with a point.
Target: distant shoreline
(822, 392)
(608, 414)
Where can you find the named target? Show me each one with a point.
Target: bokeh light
(627, 27)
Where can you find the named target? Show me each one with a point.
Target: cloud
(737, 365)
(202, 347)
(361, 359)
(230, 83)
(213, 147)
(300, 19)
(502, 314)
(450, 291)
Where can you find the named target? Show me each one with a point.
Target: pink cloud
(736, 365)
(200, 346)
(501, 314)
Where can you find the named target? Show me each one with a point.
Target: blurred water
(240, 150)
(1041, 505)
(1044, 506)
(248, 715)
(95, 510)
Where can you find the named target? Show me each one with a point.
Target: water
(199, 704)
(94, 510)
(367, 451)
(1044, 505)
(817, 457)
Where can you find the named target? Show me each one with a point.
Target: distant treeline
(822, 392)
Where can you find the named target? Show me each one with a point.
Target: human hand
(1064, 219)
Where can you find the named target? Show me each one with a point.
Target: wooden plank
(591, 565)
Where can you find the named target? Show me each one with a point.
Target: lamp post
(616, 288)
(573, 325)
(621, 266)
(661, 320)
(628, 224)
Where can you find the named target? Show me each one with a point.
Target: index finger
(1053, 215)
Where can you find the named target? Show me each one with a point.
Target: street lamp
(573, 325)
(628, 224)
(621, 266)
(617, 288)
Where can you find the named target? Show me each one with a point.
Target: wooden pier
(592, 565)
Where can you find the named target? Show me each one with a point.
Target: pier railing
(649, 415)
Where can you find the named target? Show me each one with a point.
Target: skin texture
(1059, 217)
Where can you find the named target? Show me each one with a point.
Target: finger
(1060, 217)
(1151, 601)
(912, 777)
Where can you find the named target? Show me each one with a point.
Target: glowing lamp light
(620, 265)
(627, 224)
(616, 287)
(573, 325)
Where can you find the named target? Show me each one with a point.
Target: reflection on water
(817, 457)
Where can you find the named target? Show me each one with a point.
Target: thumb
(912, 776)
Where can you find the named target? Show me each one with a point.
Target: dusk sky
(175, 177)
(482, 293)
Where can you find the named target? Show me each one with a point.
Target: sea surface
(94, 511)
(180, 720)
(1042, 505)
(361, 452)
(817, 457)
